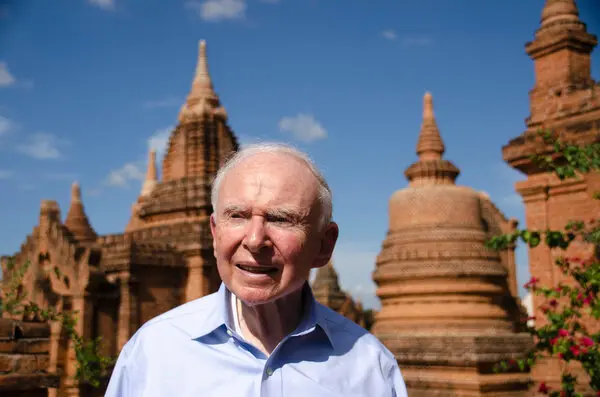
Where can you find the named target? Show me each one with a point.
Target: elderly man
(262, 333)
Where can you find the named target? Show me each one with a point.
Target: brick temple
(449, 306)
(163, 258)
(565, 101)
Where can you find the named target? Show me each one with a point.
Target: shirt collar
(218, 315)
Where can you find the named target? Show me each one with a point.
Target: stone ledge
(24, 358)
(14, 329)
(28, 382)
(459, 350)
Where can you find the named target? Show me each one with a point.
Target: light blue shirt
(192, 350)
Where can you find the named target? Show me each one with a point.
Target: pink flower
(543, 388)
(587, 341)
(531, 283)
(553, 303)
(563, 332)
(575, 350)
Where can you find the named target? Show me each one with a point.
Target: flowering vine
(568, 307)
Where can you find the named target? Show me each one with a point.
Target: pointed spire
(151, 175)
(202, 86)
(75, 192)
(202, 98)
(431, 168)
(430, 145)
(202, 76)
(326, 287)
(559, 10)
(77, 221)
(327, 278)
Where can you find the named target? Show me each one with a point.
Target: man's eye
(278, 219)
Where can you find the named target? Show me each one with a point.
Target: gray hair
(324, 192)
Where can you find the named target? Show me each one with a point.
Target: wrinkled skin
(268, 221)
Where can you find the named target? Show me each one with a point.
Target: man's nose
(256, 237)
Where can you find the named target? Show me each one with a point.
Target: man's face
(266, 233)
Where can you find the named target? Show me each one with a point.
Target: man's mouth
(257, 269)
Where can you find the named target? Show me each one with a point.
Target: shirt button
(269, 371)
(229, 332)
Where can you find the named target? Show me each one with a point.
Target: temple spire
(75, 193)
(431, 168)
(430, 145)
(77, 221)
(559, 10)
(202, 86)
(202, 76)
(202, 99)
(151, 175)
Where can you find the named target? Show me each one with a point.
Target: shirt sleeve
(119, 386)
(396, 381)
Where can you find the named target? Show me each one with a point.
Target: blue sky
(86, 86)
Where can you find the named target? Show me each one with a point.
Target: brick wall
(24, 358)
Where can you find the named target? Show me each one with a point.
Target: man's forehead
(267, 169)
(276, 179)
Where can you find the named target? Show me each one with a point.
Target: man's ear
(213, 231)
(330, 236)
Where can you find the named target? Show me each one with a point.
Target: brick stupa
(449, 306)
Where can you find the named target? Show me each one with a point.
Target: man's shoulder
(345, 333)
(184, 318)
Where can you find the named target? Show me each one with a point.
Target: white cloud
(6, 78)
(6, 125)
(218, 10)
(303, 127)
(6, 174)
(127, 173)
(135, 171)
(416, 41)
(104, 4)
(159, 142)
(42, 146)
(389, 34)
(162, 103)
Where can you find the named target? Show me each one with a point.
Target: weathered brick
(24, 360)
(6, 363)
(31, 346)
(563, 100)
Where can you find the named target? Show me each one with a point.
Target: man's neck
(266, 325)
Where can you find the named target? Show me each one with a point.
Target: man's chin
(254, 296)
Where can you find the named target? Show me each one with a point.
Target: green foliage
(564, 334)
(92, 366)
